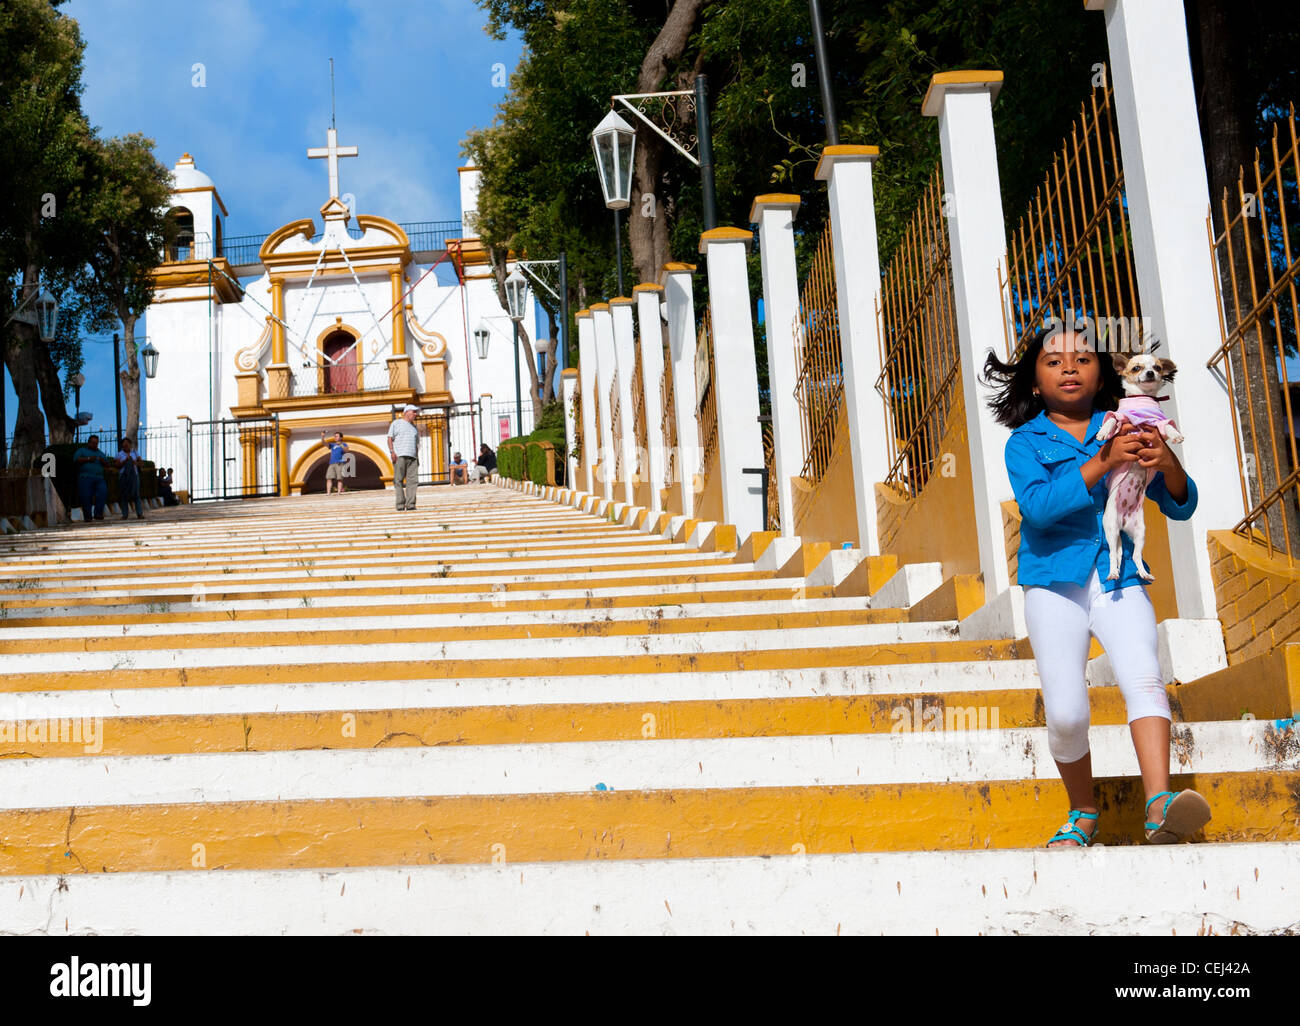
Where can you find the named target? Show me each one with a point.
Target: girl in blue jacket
(1054, 398)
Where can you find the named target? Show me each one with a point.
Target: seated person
(459, 470)
(165, 480)
(485, 464)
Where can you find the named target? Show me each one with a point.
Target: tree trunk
(525, 343)
(62, 427)
(130, 378)
(1227, 130)
(647, 232)
(29, 425)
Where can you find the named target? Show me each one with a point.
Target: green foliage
(510, 459)
(539, 456)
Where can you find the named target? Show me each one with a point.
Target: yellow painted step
(582, 721)
(613, 825)
(458, 669)
(592, 628)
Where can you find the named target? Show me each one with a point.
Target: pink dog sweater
(1132, 482)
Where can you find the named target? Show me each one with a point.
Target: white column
(487, 426)
(604, 331)
(740, 443)
(774, 215)
(680, 297)
(846, 170)
(587, 362)
(1168, 201)
(650, 331)
(963, 103)
(569, 378)
(620, 308)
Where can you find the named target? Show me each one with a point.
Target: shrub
(511, 459)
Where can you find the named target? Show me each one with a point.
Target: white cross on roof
(333, 151)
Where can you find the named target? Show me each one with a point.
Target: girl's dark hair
(1014, 402)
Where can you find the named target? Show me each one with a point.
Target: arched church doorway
(367, 477)
(340, 371)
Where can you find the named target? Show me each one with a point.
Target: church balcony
(428, 243)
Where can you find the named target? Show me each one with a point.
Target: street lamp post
(516, 299)
(614, 143)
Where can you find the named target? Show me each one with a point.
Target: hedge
(510, 459)
(525, 457)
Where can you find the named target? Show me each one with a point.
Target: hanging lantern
(47, 315)
(614, 142)
(149, 356)
(481, 338)
(516, 295)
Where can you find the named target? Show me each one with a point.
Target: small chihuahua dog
(1143, 376)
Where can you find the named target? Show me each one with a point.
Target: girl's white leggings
(1061, 620)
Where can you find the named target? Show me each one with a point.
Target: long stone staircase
(500, 713)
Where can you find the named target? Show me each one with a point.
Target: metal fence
(706, 376)
(425, 236)
(638, 415)
(1258, 269)
(669, 407)
(819, 365)
(918, 340)
(616, 423)
(1069, 257)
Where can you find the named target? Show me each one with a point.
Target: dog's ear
(1120, 361)
(1167, 369)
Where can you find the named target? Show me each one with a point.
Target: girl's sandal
(1183, 813)
(1071, 832)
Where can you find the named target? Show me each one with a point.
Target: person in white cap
(403, 440)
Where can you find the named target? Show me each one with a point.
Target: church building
(333, 322)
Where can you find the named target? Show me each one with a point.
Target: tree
(44, 133)
(120, 211)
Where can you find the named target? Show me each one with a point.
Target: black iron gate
(445, 431)
(231, 459)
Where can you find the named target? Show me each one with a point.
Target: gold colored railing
(1258, 266)
(577, 425)
(638, 416)
(819, 364)
(1069, 257)
(709, 397)
(918, 340)
(616, 421)
(769, 461)
(668, 405)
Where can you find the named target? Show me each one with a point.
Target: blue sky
(412, 77)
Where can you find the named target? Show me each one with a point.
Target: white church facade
(334, 323)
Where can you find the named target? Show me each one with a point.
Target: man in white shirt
(403, 440)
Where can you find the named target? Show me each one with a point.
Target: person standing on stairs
(1054, 398)
(92, 489)
(403, 442)
(334, 469)
(128, 479)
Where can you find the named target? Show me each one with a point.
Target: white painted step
(356, 695)
(540, 649)
(641, 765)
(305, 625)
(1204, 888)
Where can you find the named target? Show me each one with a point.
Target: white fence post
(846, 170)
(680, 296)
(625, 363)
(587, 361)
(605, 369)
(774, 215)
(963, 103)
(740, 443)
(1168, 201)
(650, 329)
(569, 378)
